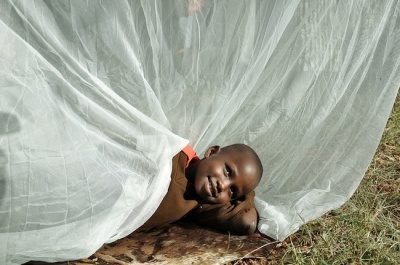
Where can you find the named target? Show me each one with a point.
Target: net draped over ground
(96, 97)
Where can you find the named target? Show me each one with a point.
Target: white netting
(96, 97)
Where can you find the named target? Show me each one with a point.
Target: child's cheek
(223, 198)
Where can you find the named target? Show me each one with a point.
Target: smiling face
(225, 175)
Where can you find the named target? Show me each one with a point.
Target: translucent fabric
(96, 97)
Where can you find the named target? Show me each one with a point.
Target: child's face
(224, 176)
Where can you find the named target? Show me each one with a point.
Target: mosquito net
(96, 97)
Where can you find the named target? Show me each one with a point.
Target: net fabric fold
(96, 98)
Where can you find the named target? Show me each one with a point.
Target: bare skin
(246, 222)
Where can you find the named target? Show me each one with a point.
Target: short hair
(244, 148)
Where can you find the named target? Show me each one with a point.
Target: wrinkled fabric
(96, 97)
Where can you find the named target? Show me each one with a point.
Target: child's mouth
(211, 187)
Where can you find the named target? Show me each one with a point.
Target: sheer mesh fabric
(97, 97)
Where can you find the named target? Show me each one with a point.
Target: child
(216, 191)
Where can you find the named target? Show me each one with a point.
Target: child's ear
(212, 151)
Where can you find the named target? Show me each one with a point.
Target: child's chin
(213, 200)
(208, 199)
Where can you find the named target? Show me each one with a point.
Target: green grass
(366, 230)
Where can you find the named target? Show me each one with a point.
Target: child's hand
(245, 223)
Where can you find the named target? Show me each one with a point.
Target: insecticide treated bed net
(96, 97)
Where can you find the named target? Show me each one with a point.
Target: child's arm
(245, 222)
(238, 217)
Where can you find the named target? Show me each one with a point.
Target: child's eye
(228, 170)
(232, 189)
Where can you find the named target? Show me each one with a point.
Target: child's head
(227, 173)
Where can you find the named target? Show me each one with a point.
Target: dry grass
(366, 230)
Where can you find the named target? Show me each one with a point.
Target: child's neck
(190, 171)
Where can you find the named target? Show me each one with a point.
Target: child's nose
(222, 185)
